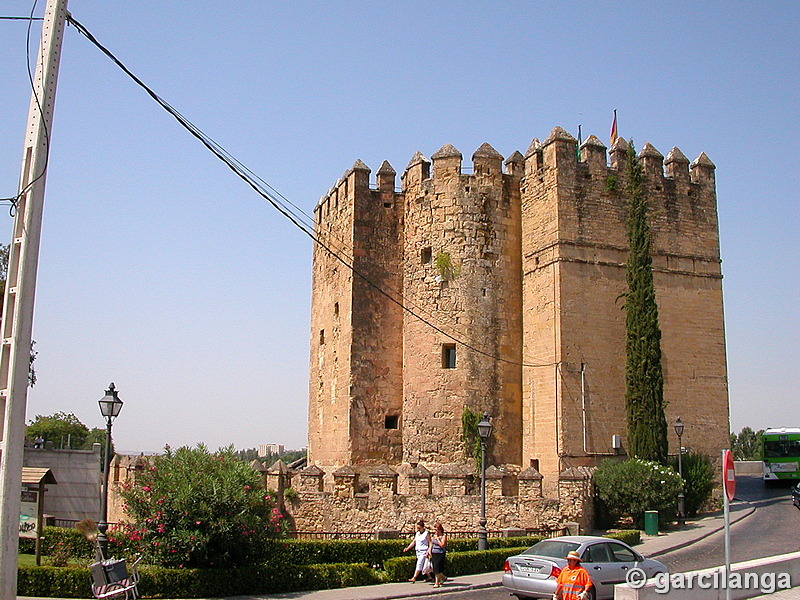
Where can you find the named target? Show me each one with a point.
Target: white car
(533, 573)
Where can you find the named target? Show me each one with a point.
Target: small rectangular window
(321, 337)
(426, 255)
(391, 422)
(448, 356)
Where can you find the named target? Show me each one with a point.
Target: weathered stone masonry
(522, 260)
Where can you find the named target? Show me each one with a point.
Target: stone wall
(380, 497)
(462, 262)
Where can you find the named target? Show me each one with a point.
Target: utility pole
(23, 261)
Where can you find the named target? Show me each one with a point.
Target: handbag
(427, 566)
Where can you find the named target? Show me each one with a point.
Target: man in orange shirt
(574, 582)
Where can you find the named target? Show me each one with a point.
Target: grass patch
(29, 560)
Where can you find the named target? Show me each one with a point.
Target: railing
(68, 523)
(331, 535)
(369, 535)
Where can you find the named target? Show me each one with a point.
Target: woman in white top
(420, 543)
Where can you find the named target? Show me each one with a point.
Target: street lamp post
(681, 497)
(110, 405)
(484, 431)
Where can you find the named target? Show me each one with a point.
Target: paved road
(771, 529)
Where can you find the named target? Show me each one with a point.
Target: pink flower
(247, 487)
(145, 488)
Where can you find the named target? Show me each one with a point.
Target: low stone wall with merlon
(361, 498)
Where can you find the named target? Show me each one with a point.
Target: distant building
(78, 493)
(270, 449)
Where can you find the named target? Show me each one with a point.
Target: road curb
(430, 591)
(742, 514)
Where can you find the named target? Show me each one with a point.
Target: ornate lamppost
(110, 406)
(681, 497)
(484, 431)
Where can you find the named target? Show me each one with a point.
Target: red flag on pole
(614, 128)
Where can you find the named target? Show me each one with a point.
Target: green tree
(289, 456)
(194, 508)
(746, 445)
(470, 437)
(65, 430)
(699, 478)
(631, 487)
(644, 380)
(97, 435)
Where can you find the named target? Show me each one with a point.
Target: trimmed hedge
(458, 563)
(374, 552)
(73, 542)
(158, 582)
(54, 582)
(629, 536)
(297, 552)
(314, 565)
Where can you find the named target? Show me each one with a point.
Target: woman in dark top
(437, 553)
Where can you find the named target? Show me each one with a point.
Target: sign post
(729, 487)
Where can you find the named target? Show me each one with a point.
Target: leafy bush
(73, 582)
(273, 575)
(54, 582)
(193, 508)
(65, 540)
(313, 567)
(629, 536)
(306, 552)
(631, 487)
(699, 477)
(374, 552)
(458, 563)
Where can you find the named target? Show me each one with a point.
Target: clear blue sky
(162, 272)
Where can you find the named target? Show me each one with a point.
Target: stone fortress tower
(517, 267)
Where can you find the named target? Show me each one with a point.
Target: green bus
(781, 452)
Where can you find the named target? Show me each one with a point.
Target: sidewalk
(693, 531)
(651, 546)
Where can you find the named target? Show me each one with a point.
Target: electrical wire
(15, 199)
(280, 203)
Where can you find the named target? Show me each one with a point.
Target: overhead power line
(291, 212)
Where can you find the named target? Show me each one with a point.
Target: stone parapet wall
(366, 500)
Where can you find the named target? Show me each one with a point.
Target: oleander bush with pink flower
(195, 508)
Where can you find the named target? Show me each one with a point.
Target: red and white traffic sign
(728, 474)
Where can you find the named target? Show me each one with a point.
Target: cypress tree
(644, 380)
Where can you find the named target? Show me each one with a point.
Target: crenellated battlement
(330, 500)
